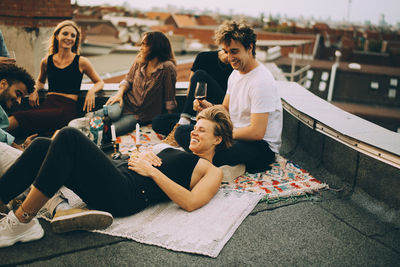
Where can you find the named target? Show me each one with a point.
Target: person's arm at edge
(98, 83)
(255, 131)
(170, 89)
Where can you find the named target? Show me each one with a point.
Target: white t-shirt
(256, 92)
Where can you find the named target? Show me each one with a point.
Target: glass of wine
(201, 91)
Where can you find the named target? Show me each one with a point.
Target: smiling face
(66, 37)
(202, 138)
(239, 57)
(11, 95)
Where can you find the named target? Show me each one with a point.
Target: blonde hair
(53, 42)
(223, 124)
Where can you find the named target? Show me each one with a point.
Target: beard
(5, 98)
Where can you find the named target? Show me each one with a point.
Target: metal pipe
(333, 75)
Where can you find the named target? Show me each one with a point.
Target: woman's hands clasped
(144, 163)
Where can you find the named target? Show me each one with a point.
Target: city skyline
(360, 11)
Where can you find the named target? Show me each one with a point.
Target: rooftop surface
(326, 229)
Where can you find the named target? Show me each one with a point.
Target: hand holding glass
(201, 91)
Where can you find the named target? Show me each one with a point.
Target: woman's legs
(71, 160)
(125, 124)
(215, 94)
(22, 174)
(54, 113)
(114, 112)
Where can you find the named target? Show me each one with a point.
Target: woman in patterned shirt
(149, 87)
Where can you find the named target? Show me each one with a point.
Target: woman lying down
(110, 187)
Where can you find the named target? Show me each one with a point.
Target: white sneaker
(13, 231)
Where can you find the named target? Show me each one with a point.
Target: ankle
(23, 216)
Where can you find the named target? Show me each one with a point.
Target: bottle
(107, 126)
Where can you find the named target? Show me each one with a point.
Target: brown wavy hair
(53, 42)
(238, 31)
(223, 124)
(159, 47)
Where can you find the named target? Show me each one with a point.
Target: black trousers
(256, 155)
(164, 123)
(74, 161)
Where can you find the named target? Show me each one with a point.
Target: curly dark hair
(12, 73)
(223, 124)
(237, 31)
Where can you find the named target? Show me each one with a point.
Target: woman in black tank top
(63, 68)
(118, 187)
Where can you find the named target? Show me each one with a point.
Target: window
(392, 93)
(310, 74)
(307, 84)
(325, 76)
(393, 82)
(374, 85)
(322, 86)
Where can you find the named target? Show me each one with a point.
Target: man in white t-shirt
(252, 101)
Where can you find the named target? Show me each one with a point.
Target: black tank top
(176, 165)
(67, 80)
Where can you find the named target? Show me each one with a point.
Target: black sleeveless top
(176, 164)
(67, 80)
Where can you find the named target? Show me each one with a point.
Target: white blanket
(203, 231)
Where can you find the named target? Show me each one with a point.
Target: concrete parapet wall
(348, 168)
(29, 45)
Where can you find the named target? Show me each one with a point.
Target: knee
(114, 111)
(198, 75)
(67, 132)
(39, 141)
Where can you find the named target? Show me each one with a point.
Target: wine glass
(201, 91)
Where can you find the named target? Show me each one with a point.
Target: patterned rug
(285, 179)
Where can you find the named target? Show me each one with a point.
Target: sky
(337, 10)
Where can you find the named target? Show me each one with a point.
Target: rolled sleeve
(170, 88)
(6, 137)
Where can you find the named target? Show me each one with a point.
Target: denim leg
(125, 124)
(114, 112)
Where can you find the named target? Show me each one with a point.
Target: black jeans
(74, 161)
(256, 155)
(164, 123)
(215, 93)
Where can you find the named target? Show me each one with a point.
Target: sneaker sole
(35, 233)
(86, 221)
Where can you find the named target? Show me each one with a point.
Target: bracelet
(27, 216)
(23, 146)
